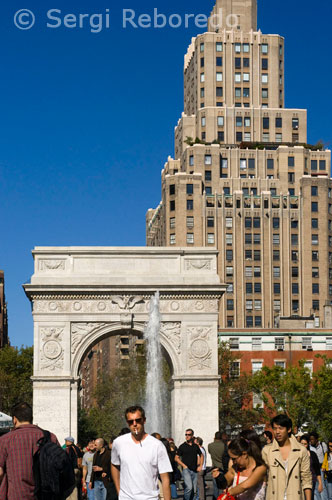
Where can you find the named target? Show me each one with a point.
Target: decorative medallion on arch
(81, 295)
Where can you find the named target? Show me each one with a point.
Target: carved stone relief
(198, 264)
(172, 332)
(51, 353)
(111, 305)
(199, 349)
(81, 330)
(52, 264)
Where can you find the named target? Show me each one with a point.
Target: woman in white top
(246, 475)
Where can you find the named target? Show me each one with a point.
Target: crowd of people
(277, 465)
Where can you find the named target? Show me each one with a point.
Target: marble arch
(81, 294)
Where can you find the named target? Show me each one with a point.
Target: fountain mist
(155, 396)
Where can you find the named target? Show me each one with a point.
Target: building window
(278, 122)
(219, 76)
(314, 223)
(191, 160)
(208, 175)
(238, 63)
(210, 222)
(276, 255)
(248, 287)
(248, 238)
(248, 272)
(220, 121)
(276, 288)
(248, 254)
(246, 92)
(171, 189)
(190, 188)
(258, 305)
(309, 366)
(315, 305)
(237, 78)
(249, 305)
(265, 93)
(314, 206)
(278, 137)
(210, 238)
(295, 288)
(202, 47)
(257, 238)
(314, 255)
(230, 288)
(239, 121)
(208, 160)
(313, 164)
(219, 47)
(229, 222)
(234, 343)
(229, 271)
(172, 205)
(219, 61)
(265, 48)
(266, 137)
(172, 239)
(249, 321)
(257, 272)
(190, 238)
(276, 305)
(279, 343)
(219, 92)
(202, 77)
(229, 239)
(314, 239)
(202, 92)
(295, 123)
(256, 222)
(295, 272)
(315, 288)
(172, 222)
(256, 365)
(257, 287)
(246, 62)
(329, 343)
(202, 62)
(280, 364)
(315, 272)
(238, 92)
(266, 123)
(238, 136)
(276, 239)
(314, 190)
(246, 77)
(208, 190)
(265, 78)
(190, 222)
(322, 164)
(257, 343)
(230, 304)
(234, 371)
(306, 343)
(190, 204)
(265, 63)
(294, 239)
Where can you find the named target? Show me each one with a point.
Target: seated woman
(247, 471)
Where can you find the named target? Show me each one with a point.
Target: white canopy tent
(5, 421)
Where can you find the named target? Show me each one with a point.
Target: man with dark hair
(288, 464)
(137, 459)
(217, 450)
(101, 470)
(75, 457)
(190, 457)
(16, 455)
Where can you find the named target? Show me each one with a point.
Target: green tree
(320, 401)
(284, 391)
(16, 367)
(235, 393)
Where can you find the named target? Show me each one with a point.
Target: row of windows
(190, 239)
(241, 47)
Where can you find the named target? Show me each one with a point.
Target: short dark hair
(218, 435)
(199, 441)
(268, 434)
(282, 420)
(23, 412)
(134, 409)
(190, 430)
(314, 434)
(305, 437)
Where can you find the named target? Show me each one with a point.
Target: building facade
(244, 179)
(3, 313)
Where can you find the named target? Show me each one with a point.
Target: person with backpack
(31, 461)
(75, 456)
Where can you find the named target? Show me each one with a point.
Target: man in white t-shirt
(137, 459)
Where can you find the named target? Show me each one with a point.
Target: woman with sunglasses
(246, 475)
(327, 469)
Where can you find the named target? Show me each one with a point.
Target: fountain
(155, 396)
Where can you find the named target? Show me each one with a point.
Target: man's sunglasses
(137, 420)
(188, 434)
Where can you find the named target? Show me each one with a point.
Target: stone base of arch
(82, 294)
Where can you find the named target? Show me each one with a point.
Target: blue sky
(87, 121)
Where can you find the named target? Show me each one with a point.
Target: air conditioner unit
(281, 349)
(309, 348)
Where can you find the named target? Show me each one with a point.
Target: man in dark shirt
(16, 455)
(101, 470)
(217, 450)
(190, 457)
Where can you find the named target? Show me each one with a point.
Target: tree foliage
(235, 394)
(284, 391)
(16, 368)
(320, 402)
